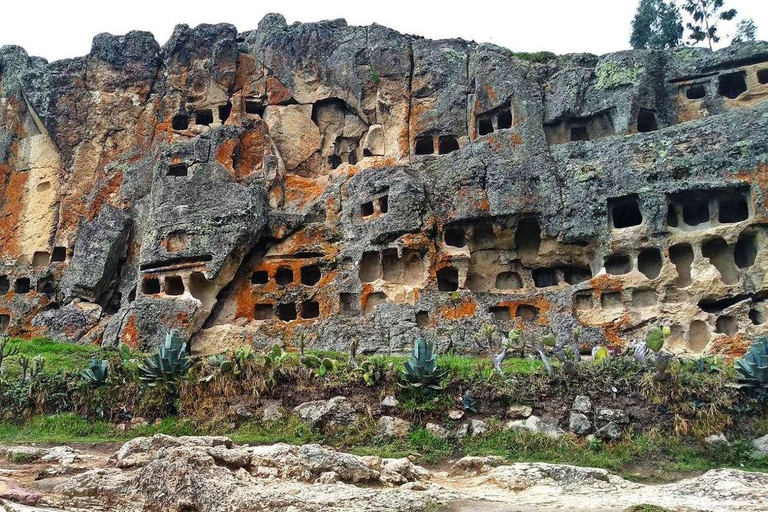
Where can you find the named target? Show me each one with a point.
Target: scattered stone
(13, 491)
(462, 431)
(456, 414)
(477, 427)
(716, 439)
(336, 411)
(535, 424)
(578, 423)
(350, 468)
(582, 404)
(761, 446)
(389, 426)
(329, 477)
(517, 411)
(437, 430)
(390, 401)
(611, 432)
(478, 464)
(271, 411)
(612, 415)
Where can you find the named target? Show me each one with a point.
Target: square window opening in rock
(527, 313)
(732, 209)
(310, 309)
(425, 145)
(681, 255)
(174, 285)
(260, 277)
(370, 267)
(5, 284)
(643, 298)
(696, 212)
(583, 301)
(504, 119)
(391, 266)
(5, 321)
(334, 161)
(422, 318)
(646, 121)
(373, 300)
(500, 313)
(757, 316)
(732, 85)
(618, 264)
(176, 241)
(484, 126)
(284, 276)
(544, 277)
(204, 117)
(528, 237)
(447, 144)
(366, 209)
(483, 235)
(384, 204)
(264, 312)
(180, 122)
(573, 275)
(695, 92)
(45, 286)
(448, 279)
(610, 300)
(310, 275)
(22, 285)
(649, 262)
(625, 212)
(41, 259)
(178, 170)
(286, 312)
(762, 76)
(254, 108)
(224, 111)
(150, 286)
(508, 281)
(59, 254)
(349, 303)
(579, 133)
(454, 236)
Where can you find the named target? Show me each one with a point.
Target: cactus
(321, 366)
(275, 357)
(7, 351)
(421, 371)
(97, 372)
(166, 365)
(753, 367)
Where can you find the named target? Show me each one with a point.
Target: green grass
(58, 356)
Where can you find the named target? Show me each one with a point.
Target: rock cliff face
(338, 182)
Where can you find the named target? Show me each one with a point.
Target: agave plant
(168, 364)
(468, 402)
(753, 367)
(97, 372)
(421, 371)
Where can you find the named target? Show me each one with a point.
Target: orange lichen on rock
(466, 308)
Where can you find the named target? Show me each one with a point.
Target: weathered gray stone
(610, 431)
(389, 426)
(517, 411)
(582, 404)
(578, 423)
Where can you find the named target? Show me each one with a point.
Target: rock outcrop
(343, 182)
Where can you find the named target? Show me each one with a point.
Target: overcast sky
(61, 29)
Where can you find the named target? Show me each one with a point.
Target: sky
(62, 29)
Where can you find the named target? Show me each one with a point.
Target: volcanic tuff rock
(344, 182)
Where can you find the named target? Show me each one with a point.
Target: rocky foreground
(213, 474)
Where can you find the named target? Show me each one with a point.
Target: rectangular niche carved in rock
(310, 275)
(370, 267)
(40, 258)
(544, 277)
(176, 241)
(373, 300)
(5, 284)
(177, 170)
(580, 129)
(681, 255)
(625, 211)
(286, 311)
(448, 279)
(527, 313)
(499, 118)
(447, 144)
(254, 107)
(150, 286)
(424, 145)
(508, 281)
(618, 264)
(284, 276)
(575, 275)
(174, 285)
(583, 301)
(762, 76)
(732, 85)
(500, 313)
(22, 285)
(391, 266)
(646, 121)
(310, 309)
(695, 91)
(5, 321)
(349, 304)
(59, 254)
(643, 298)
(611, 300)
(745, 251)
(260, 277)
(264, 311)
(366, 209)
(732, 209)
(204, 117)
(413, 267)
(180, 122)
(422, 318)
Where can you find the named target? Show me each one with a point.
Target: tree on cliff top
(746, 30)
(706, 14)
(656, 26)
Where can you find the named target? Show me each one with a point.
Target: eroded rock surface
(213, 474)
(334, 181)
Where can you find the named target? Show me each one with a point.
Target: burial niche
(286, 311)
(618, 264)
(174, 285)
(370, 267)
(508, 281)
(719, 255)
(745, 251)
(732, 85)
(284, 276)
(425, 145)
(681, 255)
(528, 237)
(649, 262)
(263, 312)
(646, 121)
(448, 279)
(310, 275)
(625, 212)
